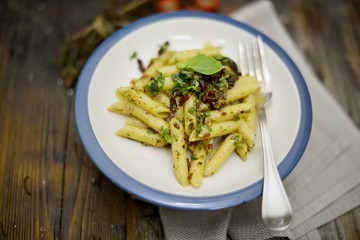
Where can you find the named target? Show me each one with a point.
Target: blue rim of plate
(160, 198)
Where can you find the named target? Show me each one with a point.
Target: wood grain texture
(329, 39)
(49, 187)
(327, 33)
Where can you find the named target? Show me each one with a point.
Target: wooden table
(49, 187)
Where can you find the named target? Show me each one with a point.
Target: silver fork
(276, 208)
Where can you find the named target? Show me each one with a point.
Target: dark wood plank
(325, 34)
(344, 227)
(33, 109)
(328, 36)
(143, 220)
(93, 207)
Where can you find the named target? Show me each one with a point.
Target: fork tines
(252, 59)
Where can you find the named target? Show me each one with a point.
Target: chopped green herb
(198, 128)
(207, 114)
(228, 62)
(165, 135)
(242, 146)
(156, 84)
(208, 128)
(192, 110)
(193, 157)
(236, 117)
(151, 131)
(186, 81)
(236, 140)
(134, 55)
(179, 81)
(201, 95)
(199, 124)
(194, 88)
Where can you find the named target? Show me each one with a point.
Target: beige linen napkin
(325, 183)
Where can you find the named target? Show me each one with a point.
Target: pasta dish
(186, 99)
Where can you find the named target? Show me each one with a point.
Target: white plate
(147, 172)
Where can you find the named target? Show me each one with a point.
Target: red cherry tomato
(207, 5)
(168, 5)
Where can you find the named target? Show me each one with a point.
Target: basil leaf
(202, 64)
(181, 65)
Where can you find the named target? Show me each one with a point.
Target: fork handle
(276, 208)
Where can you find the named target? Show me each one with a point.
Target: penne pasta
(230, 112)
(182, 56)
(164, 99)
(203, 107)
(215, 130)
(179, 114)
(221, 154)
(168, 70)
(143, 100)
(190, 145)
(157, 63)
(141, 134)
(156, 123)
(247, 133)
(198, 159)
(189, 115)
(251, 117)
(139, 83)
(135, 122)
(169, 83)
(178, 148)
(119, 107)
(209, 144)
(242, 149)
(243, 87)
